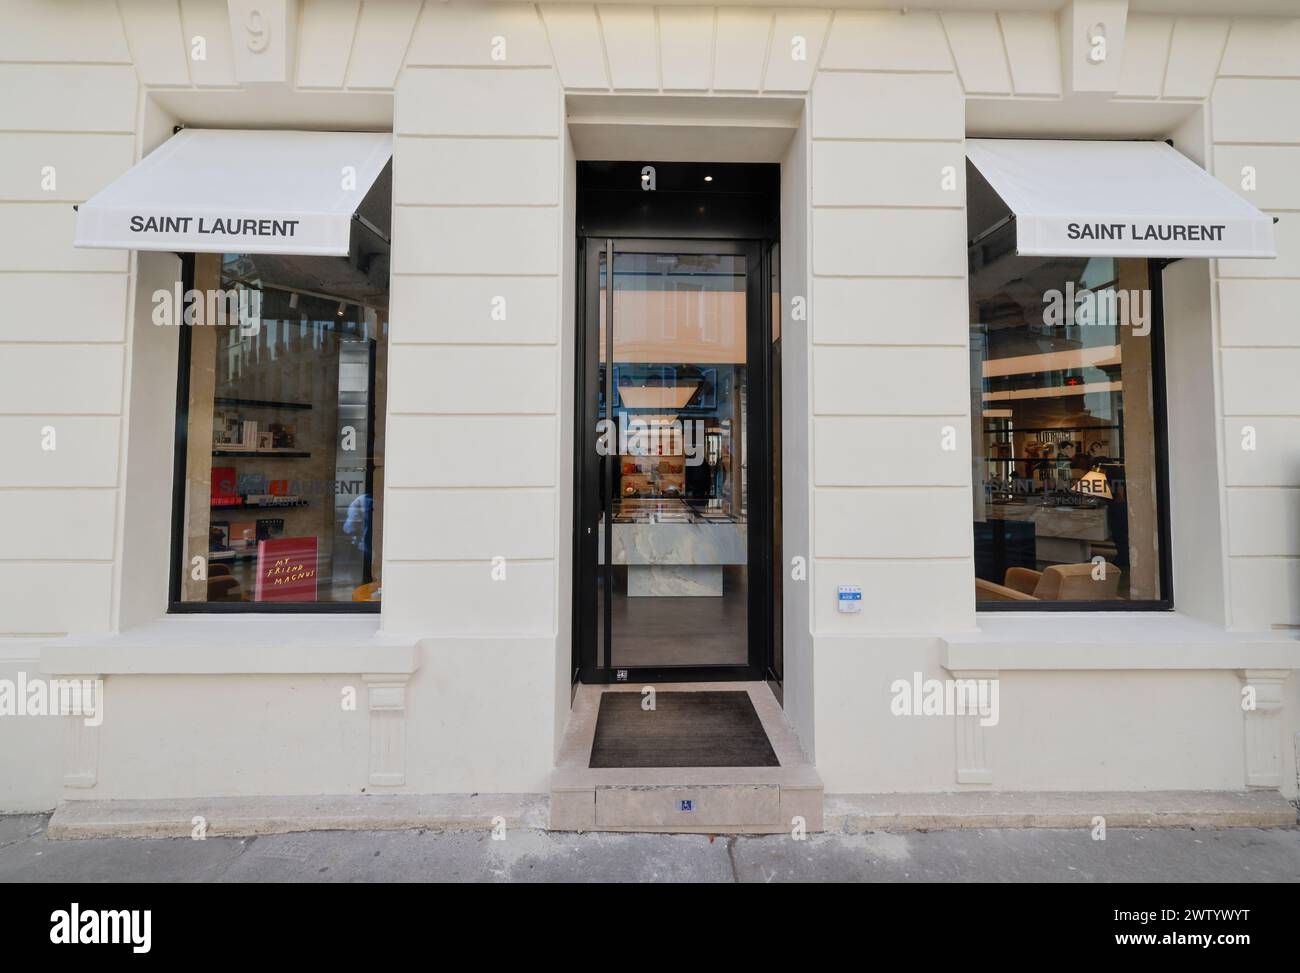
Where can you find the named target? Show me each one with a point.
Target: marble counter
(1064, 534)
(674, 550)
(1084, 523)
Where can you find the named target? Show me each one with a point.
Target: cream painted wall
(64, 333)
(62, 353)
(1259, 341)
(478, 432)
(1130, 730)
(799, 688)
(1060, 730)
(889, 370)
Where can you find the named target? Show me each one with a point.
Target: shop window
(1067, 424)
(280, 458)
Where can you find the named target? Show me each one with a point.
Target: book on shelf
(223, 492)
(243, 535)
(270, 528)
(286, 569)
(282, 435)
(232, 431)
(219, 536)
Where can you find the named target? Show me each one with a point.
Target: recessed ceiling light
(708, 179)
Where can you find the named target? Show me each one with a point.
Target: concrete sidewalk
(1038, 855)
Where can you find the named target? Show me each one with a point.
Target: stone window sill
(236, 645)
(1114, 641)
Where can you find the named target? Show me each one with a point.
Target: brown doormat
(704, 729)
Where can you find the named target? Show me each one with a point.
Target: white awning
(222, 191)
(1118, 199)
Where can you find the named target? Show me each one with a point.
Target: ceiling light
(657, 396)
(708, 179)
(342, 308)
(293, 298)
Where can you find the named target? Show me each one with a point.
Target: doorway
(674, 432)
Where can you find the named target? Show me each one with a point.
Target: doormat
(704, 729)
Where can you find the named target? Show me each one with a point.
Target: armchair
(1060, 582)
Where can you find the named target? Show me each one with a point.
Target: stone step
(244, 816)
(687, 800)
(624, 810)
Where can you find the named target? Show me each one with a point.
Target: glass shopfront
(280, 459)
(1067, 423)
(674, 429)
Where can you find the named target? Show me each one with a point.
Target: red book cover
(286, 569)
(223, 486)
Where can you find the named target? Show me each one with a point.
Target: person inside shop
(357, 524)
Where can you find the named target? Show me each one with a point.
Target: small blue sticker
(686, 805)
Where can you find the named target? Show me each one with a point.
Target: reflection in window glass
(1064, 430)
(284, 452)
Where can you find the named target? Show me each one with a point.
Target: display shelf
(1045, 459)
(258, 506)
(1025, 429)
(258, 453)
(262, 403)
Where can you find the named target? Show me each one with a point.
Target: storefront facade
(907, 437)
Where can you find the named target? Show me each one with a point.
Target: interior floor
(682, 631)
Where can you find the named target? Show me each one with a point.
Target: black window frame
(1160, 424)
(175, 605)
(612, 208)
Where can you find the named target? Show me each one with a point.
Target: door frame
(592, 630)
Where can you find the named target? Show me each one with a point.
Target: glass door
(674, 461)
